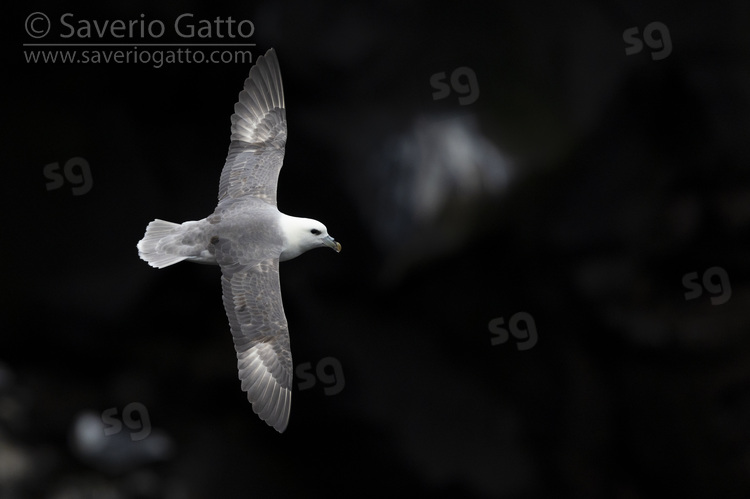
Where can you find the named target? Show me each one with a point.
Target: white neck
(294, 230)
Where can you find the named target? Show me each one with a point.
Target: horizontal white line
(139, 45)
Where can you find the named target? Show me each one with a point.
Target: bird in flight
(247, 236)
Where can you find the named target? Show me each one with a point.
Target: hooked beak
(331, 243)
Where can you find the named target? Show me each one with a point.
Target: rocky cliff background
(544, 284)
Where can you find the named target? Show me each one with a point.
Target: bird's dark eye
(315, 232)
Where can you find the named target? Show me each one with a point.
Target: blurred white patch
(433, 184)
(119, 452)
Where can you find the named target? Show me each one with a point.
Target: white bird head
(303, 234)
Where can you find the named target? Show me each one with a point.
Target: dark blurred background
(544, 288)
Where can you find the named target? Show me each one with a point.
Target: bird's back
(245, 230)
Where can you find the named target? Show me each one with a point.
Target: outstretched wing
(252, 299)
(258, 135)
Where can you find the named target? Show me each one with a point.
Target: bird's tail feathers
(152, 247)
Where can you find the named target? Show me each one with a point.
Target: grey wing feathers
(256, 152)
(252, 299)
